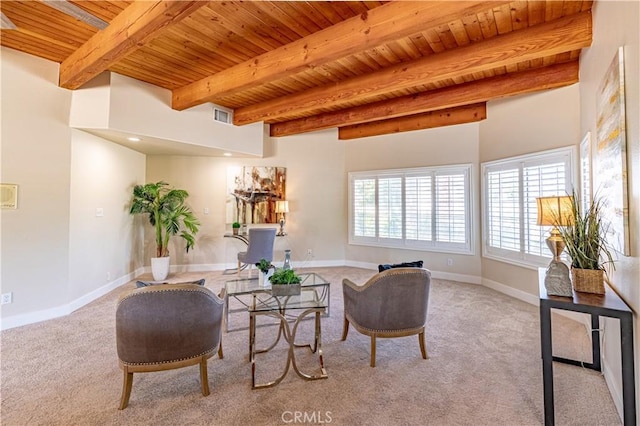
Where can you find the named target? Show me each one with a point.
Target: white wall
(119, 103)
(315, 191)
(102, 248)
(35, 156)
(523, 125)
(616, 24)
(55, 252)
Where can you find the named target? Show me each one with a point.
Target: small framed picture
(9, 196)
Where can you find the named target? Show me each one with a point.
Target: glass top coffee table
(249, 286)
(313, 299)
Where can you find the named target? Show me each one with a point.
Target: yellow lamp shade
(282, 206)
(555, 211)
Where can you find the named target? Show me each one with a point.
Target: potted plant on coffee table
(587, 246)
(169, 215)
(285, 282)
(266, 270)
(235, 226)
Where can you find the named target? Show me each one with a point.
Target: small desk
(607, 305)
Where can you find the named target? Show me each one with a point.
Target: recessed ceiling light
(133, 139)
(227, 154)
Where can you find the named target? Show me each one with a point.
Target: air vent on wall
(222, 115)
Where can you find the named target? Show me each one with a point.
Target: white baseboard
(33, 317)
(510, 291)
(616, 392)
(470, 279)
(59, 311)
(534, 300)
(363, 265)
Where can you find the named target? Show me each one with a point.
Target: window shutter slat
(511, 187)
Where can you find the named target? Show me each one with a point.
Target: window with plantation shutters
(390, 208)
(364, 207)
(424, 208)
(418, 208)
(510, 189)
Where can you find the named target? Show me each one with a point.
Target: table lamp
(282, 207)
(556, 211)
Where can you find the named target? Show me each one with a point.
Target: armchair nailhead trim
(167, 362)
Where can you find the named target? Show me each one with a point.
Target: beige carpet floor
(484, 369)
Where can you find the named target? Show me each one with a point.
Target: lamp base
(557, 281)
(281, 232)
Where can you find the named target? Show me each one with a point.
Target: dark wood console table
(607, 305)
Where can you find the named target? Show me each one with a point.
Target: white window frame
(466, 248)
(567, 155)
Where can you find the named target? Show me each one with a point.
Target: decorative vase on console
(287, 260)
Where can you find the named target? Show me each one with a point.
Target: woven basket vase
(588, 280)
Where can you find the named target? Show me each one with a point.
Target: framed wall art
(610, 162)
(252, 192)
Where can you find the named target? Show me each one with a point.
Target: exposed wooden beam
(468, 93)
(382, 24)
(559, 36)
(427, 120)
(138, 24)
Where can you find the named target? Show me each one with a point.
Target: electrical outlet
(309, 252)
(108, 276)
(449, 262)
(7, 298)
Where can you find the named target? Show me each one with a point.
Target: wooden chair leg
(220, 353)
(204, 378)
(373, 350)
(126, 389)
(345, 329)
(423, 347)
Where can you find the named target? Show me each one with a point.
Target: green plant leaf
(585, 240)
(167, 213)
(285, 276)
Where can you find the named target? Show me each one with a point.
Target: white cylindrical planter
(160, 267)
(263, 278)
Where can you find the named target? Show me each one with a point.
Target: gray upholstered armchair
(261, 242)
(167, 326)
(392, 303)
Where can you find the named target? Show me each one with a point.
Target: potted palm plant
(587, 246)
(285, 282)
(169, 215)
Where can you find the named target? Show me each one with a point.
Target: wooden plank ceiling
(366, 67)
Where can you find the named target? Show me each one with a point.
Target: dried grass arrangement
(586, 244)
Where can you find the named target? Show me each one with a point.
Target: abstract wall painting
(252, 193)
(585, 171)
(610, 176)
